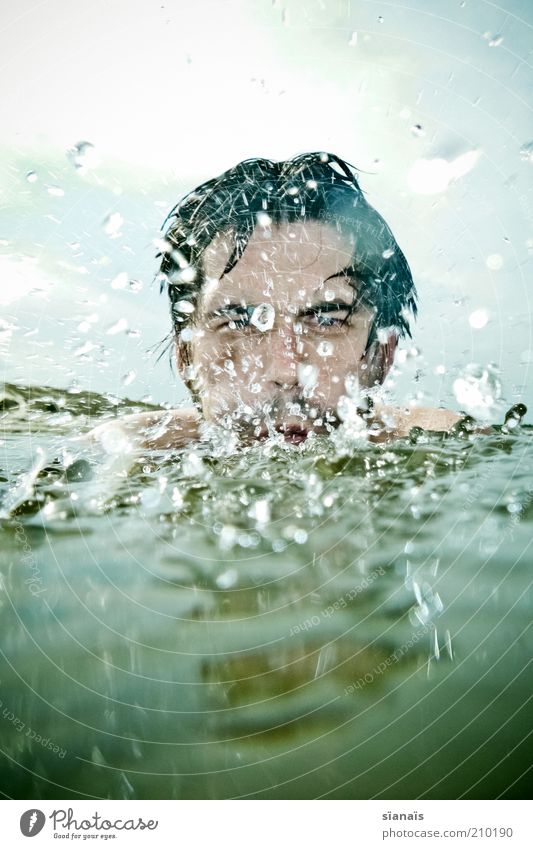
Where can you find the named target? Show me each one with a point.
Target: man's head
(286, 288)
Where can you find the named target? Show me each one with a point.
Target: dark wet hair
(314, 186)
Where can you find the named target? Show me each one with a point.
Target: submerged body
(170, 429)
(269, 624)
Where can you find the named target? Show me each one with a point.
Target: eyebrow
(326, 306)
(322, 306)
(226, 309)
(319, 307)
(346, 274)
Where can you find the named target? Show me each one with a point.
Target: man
(288, 296)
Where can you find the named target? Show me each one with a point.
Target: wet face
(277, 340)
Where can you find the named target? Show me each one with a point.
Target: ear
(378, 359)
(183, 357)
(183, 362)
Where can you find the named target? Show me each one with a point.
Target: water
(274, 622)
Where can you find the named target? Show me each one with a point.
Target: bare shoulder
(399, 420)
(157, 429)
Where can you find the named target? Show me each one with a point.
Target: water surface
(278, 621)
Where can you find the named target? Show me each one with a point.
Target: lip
(294, 434)
(294, 437)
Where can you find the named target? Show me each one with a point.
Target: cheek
(224, 362)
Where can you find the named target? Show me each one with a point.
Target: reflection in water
(274, 622)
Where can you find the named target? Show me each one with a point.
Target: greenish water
(272, 622)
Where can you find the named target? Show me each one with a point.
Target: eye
(237, 318)
(328, 320)
(330, 315)
(238, 323)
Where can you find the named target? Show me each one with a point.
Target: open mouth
(293, 433)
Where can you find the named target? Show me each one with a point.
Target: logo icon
(32, 822)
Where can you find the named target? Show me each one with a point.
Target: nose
(282, 357)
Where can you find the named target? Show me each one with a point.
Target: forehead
(293, 257)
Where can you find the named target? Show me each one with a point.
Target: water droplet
(263, 317)
(227, 537)
(325, 348)
(192, 465)
(432, 176)
(448, 642)
(307, 376)
(82, 155)
(514, 416)
(129, 377)
(495, 40)
(478, 319)
(464, 163)
(380, 19)
(260, 511)
(187, 334)
(184, 307)
(150, 498)
(477, 390)
(189, 372)
(84, 349)
(186, 274)
(329, 295)
(112, 224)
(417, 130)
(300, 536)
(494, 262)
(347, 409)
(351, 384)
(177, 498)
(31, 177)
(526, 152)
(120, 281)
(263, 219)
(383, 334)
(226, 579)
(388, 253)
(117, 327)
